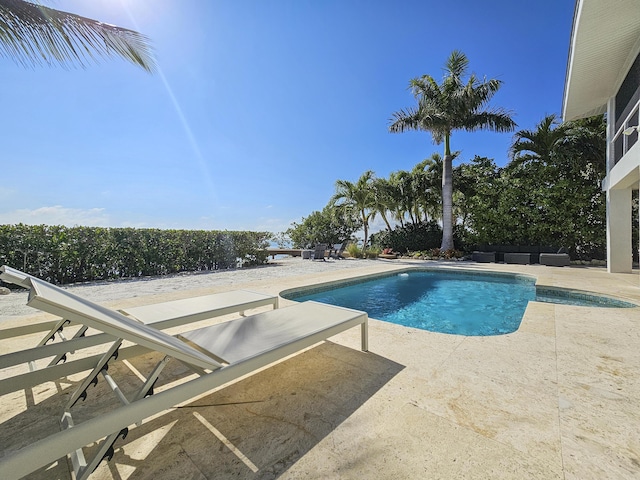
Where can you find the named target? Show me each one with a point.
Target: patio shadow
(255, 428)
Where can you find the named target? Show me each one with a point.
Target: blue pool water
(448, 302)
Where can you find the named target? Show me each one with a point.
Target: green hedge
(414, 237)
(422, 236)
(78, 254)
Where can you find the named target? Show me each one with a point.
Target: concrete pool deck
(558, 399)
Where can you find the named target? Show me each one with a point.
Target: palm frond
(496, 120)
(456, 66)
(479, 94)
(34, 35)
(540, 142)
(452, 104)
(404, 120)
(424, 87)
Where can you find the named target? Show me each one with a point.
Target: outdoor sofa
(521, 254)
(555, 259)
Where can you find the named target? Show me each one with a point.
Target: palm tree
(33, 35)
(384, 198)
(539, 145)
(448, 106)
(420, 188)
(427, 179)
(402, 183)
(359, 197)
(552, 142)
(585, 143)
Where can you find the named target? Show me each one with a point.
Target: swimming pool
(454, 302)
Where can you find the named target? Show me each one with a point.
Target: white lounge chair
(160, 315)
(219, 353)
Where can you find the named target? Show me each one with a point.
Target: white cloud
(57, 215)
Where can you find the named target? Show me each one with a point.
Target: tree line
(549, 193)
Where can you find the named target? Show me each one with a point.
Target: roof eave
(605, 39)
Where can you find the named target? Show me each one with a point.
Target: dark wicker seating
(555, 259)
(483, 257)
(521, 254)
(517, 257)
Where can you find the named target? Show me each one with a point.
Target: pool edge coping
(573, 292)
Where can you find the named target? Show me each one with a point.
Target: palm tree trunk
(366, 236)
(365, 225)
(418, 216)
(447, 198)
(384, 217)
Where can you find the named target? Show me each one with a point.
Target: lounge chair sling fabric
(219, 353)
(190, 310)
(245, 338)
(51, 299)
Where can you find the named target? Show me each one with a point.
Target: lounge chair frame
(244, 346)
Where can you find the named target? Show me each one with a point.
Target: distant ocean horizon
(273, 244)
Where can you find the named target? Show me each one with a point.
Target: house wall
(603, 73)
(629, 92)
(623, 166)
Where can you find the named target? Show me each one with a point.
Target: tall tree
(404, 192)
(32, 35)
(540, 145)
(329, 226)
(561, 167)
(549, 194)
(477, 195)
(358, 197)
(448, 106)
(384, 198)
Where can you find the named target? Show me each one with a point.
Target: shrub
(436, 254)
(331, 225)
(419, 237)
(64, 255)
(354, 251)
(372, 253)
(422, 236)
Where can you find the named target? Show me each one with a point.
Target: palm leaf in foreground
(34, 35)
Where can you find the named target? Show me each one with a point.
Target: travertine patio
(559, 398)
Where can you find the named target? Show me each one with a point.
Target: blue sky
(257, 107)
